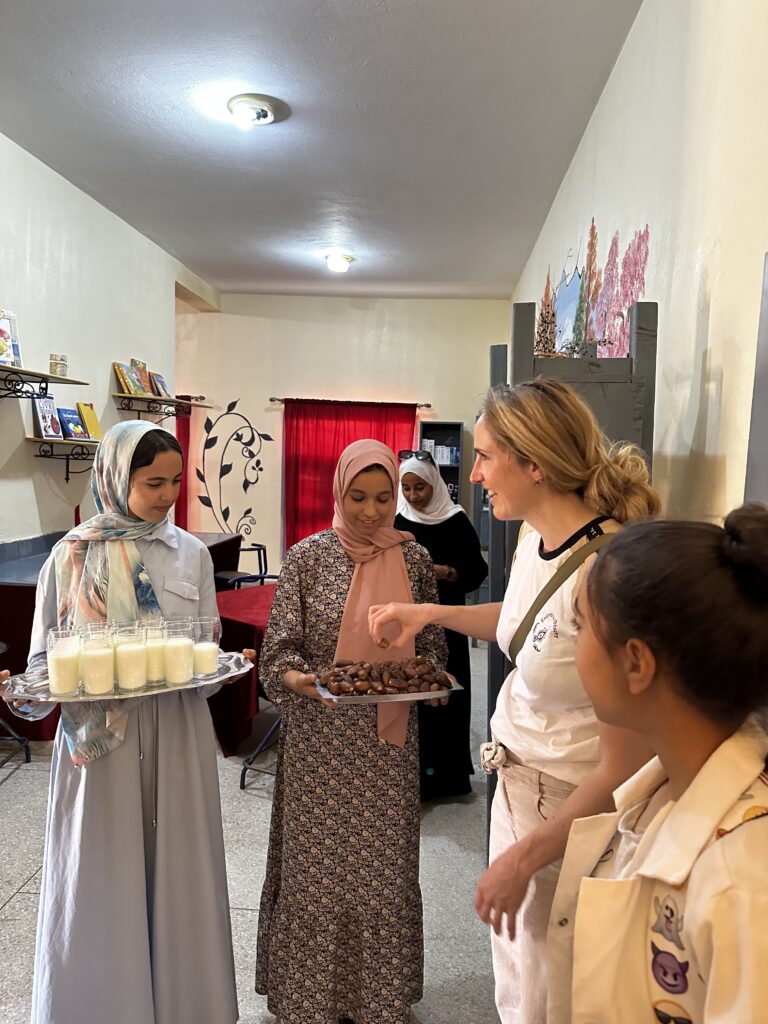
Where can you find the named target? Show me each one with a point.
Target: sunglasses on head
(666, 1018)
(406, 453)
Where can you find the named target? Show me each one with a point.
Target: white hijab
(440, 508)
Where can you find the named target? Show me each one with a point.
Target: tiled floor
(459, 981)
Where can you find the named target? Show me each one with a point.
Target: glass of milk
(206, 652)
(98, 660)
(63, 662)
(130, 658)
(179, 651)
(155, 638)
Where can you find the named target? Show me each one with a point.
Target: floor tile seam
(20, 891)
(13, 896)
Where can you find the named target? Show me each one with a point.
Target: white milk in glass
(64, 666)
(131, 663)
(155, 660)
(179, 660)
(206, 658)
(98, 666)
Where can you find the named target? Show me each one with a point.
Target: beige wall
(678, 141)
(83, 282)
(404, 350)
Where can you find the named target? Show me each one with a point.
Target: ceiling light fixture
(249, 109)
(338, 261)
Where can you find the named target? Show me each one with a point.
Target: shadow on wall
(696, 479)
(53, 507)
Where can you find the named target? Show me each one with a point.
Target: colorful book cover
(47, 425)
(143, 372)
(71, 425)
(10, 353)
(159, 386)
(120, 379)
(133, 380)
(90, 420)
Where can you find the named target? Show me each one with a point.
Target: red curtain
(315, 434)
(182, 436)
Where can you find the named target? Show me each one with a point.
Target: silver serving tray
(382, 698)
(34, 687)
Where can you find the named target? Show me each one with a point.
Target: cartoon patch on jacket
(668, 1012)
(668, 971)
(669, 921)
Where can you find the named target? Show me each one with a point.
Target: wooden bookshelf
(22, 382)
(162, 401)
(67, 450)
(88, 441)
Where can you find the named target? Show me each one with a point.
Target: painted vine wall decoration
(232, 444)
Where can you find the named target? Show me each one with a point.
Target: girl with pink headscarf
(340, 922)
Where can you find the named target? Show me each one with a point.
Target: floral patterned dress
(340, 921)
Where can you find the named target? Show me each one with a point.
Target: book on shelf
(428, 445)
(120, 379)
(47, 425)
(72, 426)
(143, 372)
(90, 420)
(10, 353)
(446, 455)
(159, 386)
(129, 380)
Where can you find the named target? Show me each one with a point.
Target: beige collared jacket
(682, 936)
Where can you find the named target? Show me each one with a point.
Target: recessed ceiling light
(338, 261)
(249, 109)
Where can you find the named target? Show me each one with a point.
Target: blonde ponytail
(618, 486)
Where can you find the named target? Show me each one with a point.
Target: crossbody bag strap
(568, 568)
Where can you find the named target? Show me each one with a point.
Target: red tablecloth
(244, 616)
(18, 607)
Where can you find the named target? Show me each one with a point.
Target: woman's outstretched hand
(303, 684)
(412, 618)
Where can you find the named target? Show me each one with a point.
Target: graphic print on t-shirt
(546, 624)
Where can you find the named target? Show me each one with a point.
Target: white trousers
(524, 798)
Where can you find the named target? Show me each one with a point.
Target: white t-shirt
(543, 714)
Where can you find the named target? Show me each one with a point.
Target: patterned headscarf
(100, 576)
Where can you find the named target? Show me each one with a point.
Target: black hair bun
(745, 546)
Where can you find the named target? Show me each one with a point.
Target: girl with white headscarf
(426, 509)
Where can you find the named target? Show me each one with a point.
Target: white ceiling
(427, 137)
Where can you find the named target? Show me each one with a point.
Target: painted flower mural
(587, 312)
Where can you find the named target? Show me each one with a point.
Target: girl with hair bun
(543, 459)
(661, 907)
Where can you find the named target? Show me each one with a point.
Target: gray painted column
(756, 487)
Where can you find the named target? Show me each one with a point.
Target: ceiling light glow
(248, 109)
(338, 261)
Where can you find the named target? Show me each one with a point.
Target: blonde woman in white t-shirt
(543, 459)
